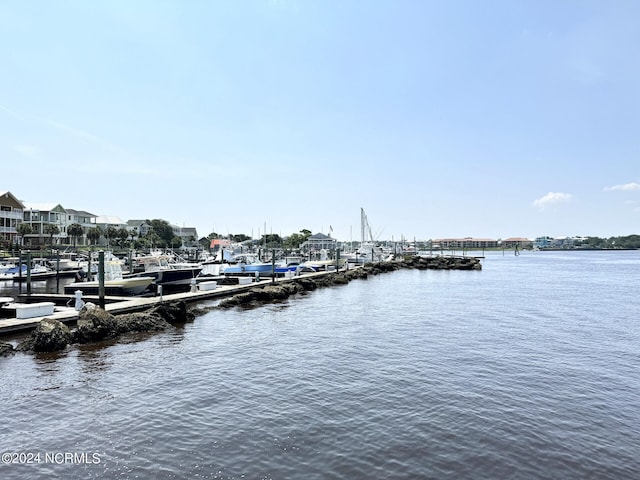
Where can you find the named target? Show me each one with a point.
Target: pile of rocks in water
(274, 293)
(95, 324)
(443, 263)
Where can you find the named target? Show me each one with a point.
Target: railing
(6, 214)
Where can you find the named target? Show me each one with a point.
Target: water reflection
(11, 288)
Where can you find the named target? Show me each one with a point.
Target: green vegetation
(629, 241)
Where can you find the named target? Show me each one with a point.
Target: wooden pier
(65, 311)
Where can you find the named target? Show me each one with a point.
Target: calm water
(528, 369)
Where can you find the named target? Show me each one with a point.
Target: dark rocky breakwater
(281, 291)
(95, 324)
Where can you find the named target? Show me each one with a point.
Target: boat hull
(250, 269)
(170, 276)
(126, 286)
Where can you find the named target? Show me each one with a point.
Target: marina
(526, 370)
(65, 308)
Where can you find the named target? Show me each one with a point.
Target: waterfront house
(40, 216)
(79, 217)
(318, 242)
(11, 215)
(189, 236)
(104, 222)
(138, 228)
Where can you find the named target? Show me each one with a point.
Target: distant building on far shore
(467, 242)
(519, 242)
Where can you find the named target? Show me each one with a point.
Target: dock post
(273, 266)
(79, 302)
(28, 272)
(337, 260)
(159, 291)
(89, 276)
(101, 278)
(20, 271)
(58, 271)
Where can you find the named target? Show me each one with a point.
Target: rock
(173, 312)
(6, 349)
(94, 324)
(141, 322)
(49, 336)
(160, 317)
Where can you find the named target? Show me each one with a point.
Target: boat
(37, 272)
(294, 266)
(65, 261)
(248, 264)
(8, 267)
(324, 262)
(114, 282)
(165, 272)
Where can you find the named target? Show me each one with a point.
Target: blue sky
(439, 118)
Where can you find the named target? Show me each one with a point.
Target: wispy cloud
(551, 198)
(88, 137)
(26, 150)
(627, 187)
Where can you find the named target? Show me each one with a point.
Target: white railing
(6, 214)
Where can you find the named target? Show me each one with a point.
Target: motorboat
(165, 272)
(114, 282)
(248, 264)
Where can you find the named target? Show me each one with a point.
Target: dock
(119, 305)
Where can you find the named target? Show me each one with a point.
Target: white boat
(114, 283)
(324, 262)
(8, 267)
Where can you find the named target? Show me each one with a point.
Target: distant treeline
(629, 241)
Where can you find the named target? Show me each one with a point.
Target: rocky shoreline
(95, 324)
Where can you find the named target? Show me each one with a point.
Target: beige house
(466, 242)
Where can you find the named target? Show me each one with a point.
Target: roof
(41, 207)
(136, 223)
(79, 212)
(109, 220)
(320, 236)
(9, 198)
(220, 242)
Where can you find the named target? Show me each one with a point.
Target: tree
(297, 239)
(75, 230)
(23, 229)
(163, 231)
(51, 229)
(122, 235)
(240, 237)
(176, 241)
(151, 238)
(94, 234)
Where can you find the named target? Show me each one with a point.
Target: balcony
(13, 214)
